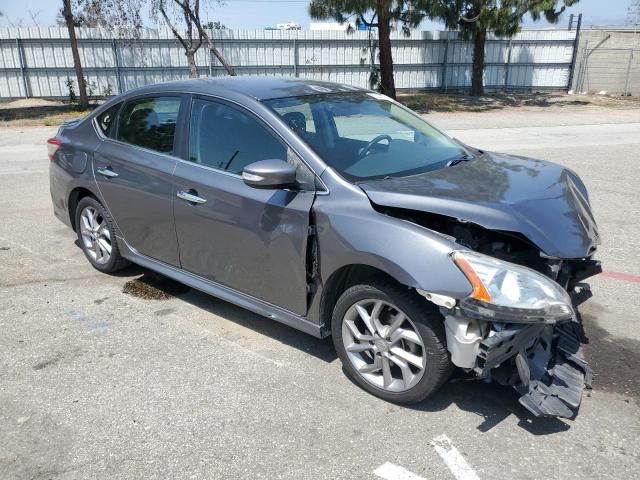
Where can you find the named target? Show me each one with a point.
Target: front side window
(228, 139)
(365, 135)
(150, 123)
(106, 120)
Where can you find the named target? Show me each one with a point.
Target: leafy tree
(474, 18)
(379, 14)
(123, 15)
(67, 13)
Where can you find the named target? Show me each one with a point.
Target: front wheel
(391, 341)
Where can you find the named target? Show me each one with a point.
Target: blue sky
(262, 13)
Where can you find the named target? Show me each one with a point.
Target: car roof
(259, 88)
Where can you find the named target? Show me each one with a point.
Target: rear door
(133, 171)
(252, 240)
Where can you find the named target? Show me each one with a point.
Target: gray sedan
(341, 213)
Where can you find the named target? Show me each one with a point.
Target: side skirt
(220, 291)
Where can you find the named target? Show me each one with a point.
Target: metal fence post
(445, 62)
(626, 83)
(114, 46)
(507, 66)
(23, 73)
(295, 57)
(574, 54)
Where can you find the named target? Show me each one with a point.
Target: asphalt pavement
(97, 383)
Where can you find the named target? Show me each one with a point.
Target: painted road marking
(390, 471)
(21, 172)
(453, 459)
(625, 277)
(90, 323)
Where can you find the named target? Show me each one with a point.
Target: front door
(134, 175)
(252, 240)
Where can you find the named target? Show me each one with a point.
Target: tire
(95, 239)
(405, 386)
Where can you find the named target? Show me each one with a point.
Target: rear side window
(150, 123)
(228, 139)
(106, 120)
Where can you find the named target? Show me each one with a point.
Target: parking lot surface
(98, 383)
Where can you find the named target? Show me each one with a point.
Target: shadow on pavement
(491, 402)
(425, 103)
(321, 349)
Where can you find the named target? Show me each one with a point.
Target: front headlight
(507, 292)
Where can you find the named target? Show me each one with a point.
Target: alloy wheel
(95, 235)
(383, 345)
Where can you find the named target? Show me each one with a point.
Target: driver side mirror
(270, 174)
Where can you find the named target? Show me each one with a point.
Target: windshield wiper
(462, 158)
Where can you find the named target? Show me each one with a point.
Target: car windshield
(364, 135)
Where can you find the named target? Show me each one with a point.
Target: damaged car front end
(524, 237)
(520, 328)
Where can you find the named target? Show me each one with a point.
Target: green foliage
(502, 16)
(366, 11)
(380, 14)
(217, 25)
(71, 89)
(91, 87)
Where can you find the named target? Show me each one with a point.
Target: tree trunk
(477, 78)
(212, 48)
(191, 60)
(387, 83)
(68, 18)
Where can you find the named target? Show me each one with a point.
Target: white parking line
(22, 172)
(389, 471)
(453, 459)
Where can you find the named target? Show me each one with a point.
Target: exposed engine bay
(542, 360)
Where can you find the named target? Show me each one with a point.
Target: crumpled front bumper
(543, 362)
(550, 373)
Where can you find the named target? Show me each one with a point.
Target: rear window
(106, 120)
(150, 123)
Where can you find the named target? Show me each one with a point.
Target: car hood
(545, 202)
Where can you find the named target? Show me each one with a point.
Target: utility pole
(633, 16)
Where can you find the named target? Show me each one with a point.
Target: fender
(349, 231)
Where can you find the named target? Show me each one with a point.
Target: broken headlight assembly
(506, 292)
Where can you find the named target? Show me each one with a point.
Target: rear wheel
(391, 341)
(97, 236)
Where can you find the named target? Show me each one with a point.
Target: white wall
(37, 61)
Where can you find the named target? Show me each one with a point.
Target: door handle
(107, 172)
(190, 196)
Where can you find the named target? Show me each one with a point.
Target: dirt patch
(154, 287)
(615, 360)
(440, 102)
(38, 111)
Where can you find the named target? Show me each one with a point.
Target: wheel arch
(74, 198)
(341, 280)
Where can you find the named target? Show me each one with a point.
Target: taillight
(53, 144)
